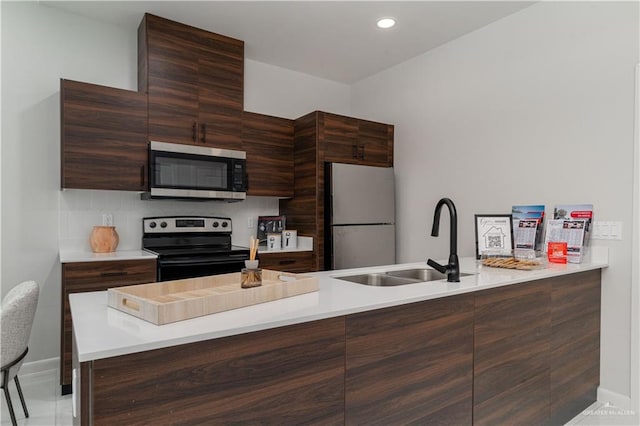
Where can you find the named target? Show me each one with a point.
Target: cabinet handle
(194, 131)
(354, 151)
(204, 132)
(113, 274)
(286, 262)
(361, 156)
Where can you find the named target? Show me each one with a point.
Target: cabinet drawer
(288, 261)
(101, 275)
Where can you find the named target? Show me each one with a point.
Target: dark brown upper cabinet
(103, 137)
(268, 142)
(194, 80)
(321, 137)
(351, 140)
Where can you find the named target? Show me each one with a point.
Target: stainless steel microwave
(196, 172)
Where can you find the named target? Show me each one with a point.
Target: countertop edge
(211, 329)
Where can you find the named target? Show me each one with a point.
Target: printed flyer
(528, 224)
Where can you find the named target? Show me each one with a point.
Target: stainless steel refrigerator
(359, 216)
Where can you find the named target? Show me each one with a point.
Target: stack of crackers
(511, 263)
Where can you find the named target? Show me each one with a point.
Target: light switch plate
(606, 230)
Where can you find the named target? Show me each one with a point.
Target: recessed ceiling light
(386, 22)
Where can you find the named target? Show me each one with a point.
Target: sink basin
(377, 280)
(422, 274)
(400, 277)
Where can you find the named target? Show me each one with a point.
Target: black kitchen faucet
(452, 269)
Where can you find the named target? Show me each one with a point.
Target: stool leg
(24, 404)
(11, 413)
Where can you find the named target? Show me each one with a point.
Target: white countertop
(103, 332)
(70, 256)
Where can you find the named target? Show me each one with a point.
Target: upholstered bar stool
(18, 310)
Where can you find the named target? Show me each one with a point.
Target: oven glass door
(180, 268)
(177, 170)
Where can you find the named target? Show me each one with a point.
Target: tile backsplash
(81, 210)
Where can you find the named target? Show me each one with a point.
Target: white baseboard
(614, 398)
(40, 366)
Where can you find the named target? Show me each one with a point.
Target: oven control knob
(225, 224)
(216, 224)
(163, 224)
(152, 225)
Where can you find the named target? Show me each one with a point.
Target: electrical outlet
(251, 223)
(107, 219)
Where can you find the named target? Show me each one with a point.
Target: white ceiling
(336, 40)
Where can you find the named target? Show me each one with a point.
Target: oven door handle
(201, 262)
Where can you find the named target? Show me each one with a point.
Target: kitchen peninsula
(499, 346)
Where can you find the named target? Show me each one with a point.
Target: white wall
(40, 45)
(536, 108)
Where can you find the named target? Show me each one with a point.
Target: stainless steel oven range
(192, 246)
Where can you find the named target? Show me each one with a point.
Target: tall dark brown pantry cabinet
(194, 80)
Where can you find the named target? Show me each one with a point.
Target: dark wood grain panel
(288, 261)
(575, 344)
(221, 89)
(103, 137)
(171, 63)
(290, 375)
(511, 354)
(304, 210)
(375, 143)
(340, 141)
(194, 81)
(95, 276)
(411, 364)
(268, 142)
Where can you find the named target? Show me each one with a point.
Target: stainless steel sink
(422, 274)
(400, 277)
(377, 280)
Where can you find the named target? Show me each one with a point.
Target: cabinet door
(375, 143)
(103, 137)
(411, 364)
(511, 355)
(289, 261)
(94, 276)
(290, 375)
(340, 136)
(350, 140)
(221, 91)
(268, 142)
(575, 344)
(168, 73)
(195, 83)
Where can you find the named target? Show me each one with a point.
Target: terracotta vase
(104, 239)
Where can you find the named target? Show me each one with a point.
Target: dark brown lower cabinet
(575, 344)
(523, 354)
(511, 355)
(290, 375)
(79, 277)
(411, 364)
(301, 261)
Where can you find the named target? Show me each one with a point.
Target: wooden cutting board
(171, 301)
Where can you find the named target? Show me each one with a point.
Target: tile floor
(48, 408)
